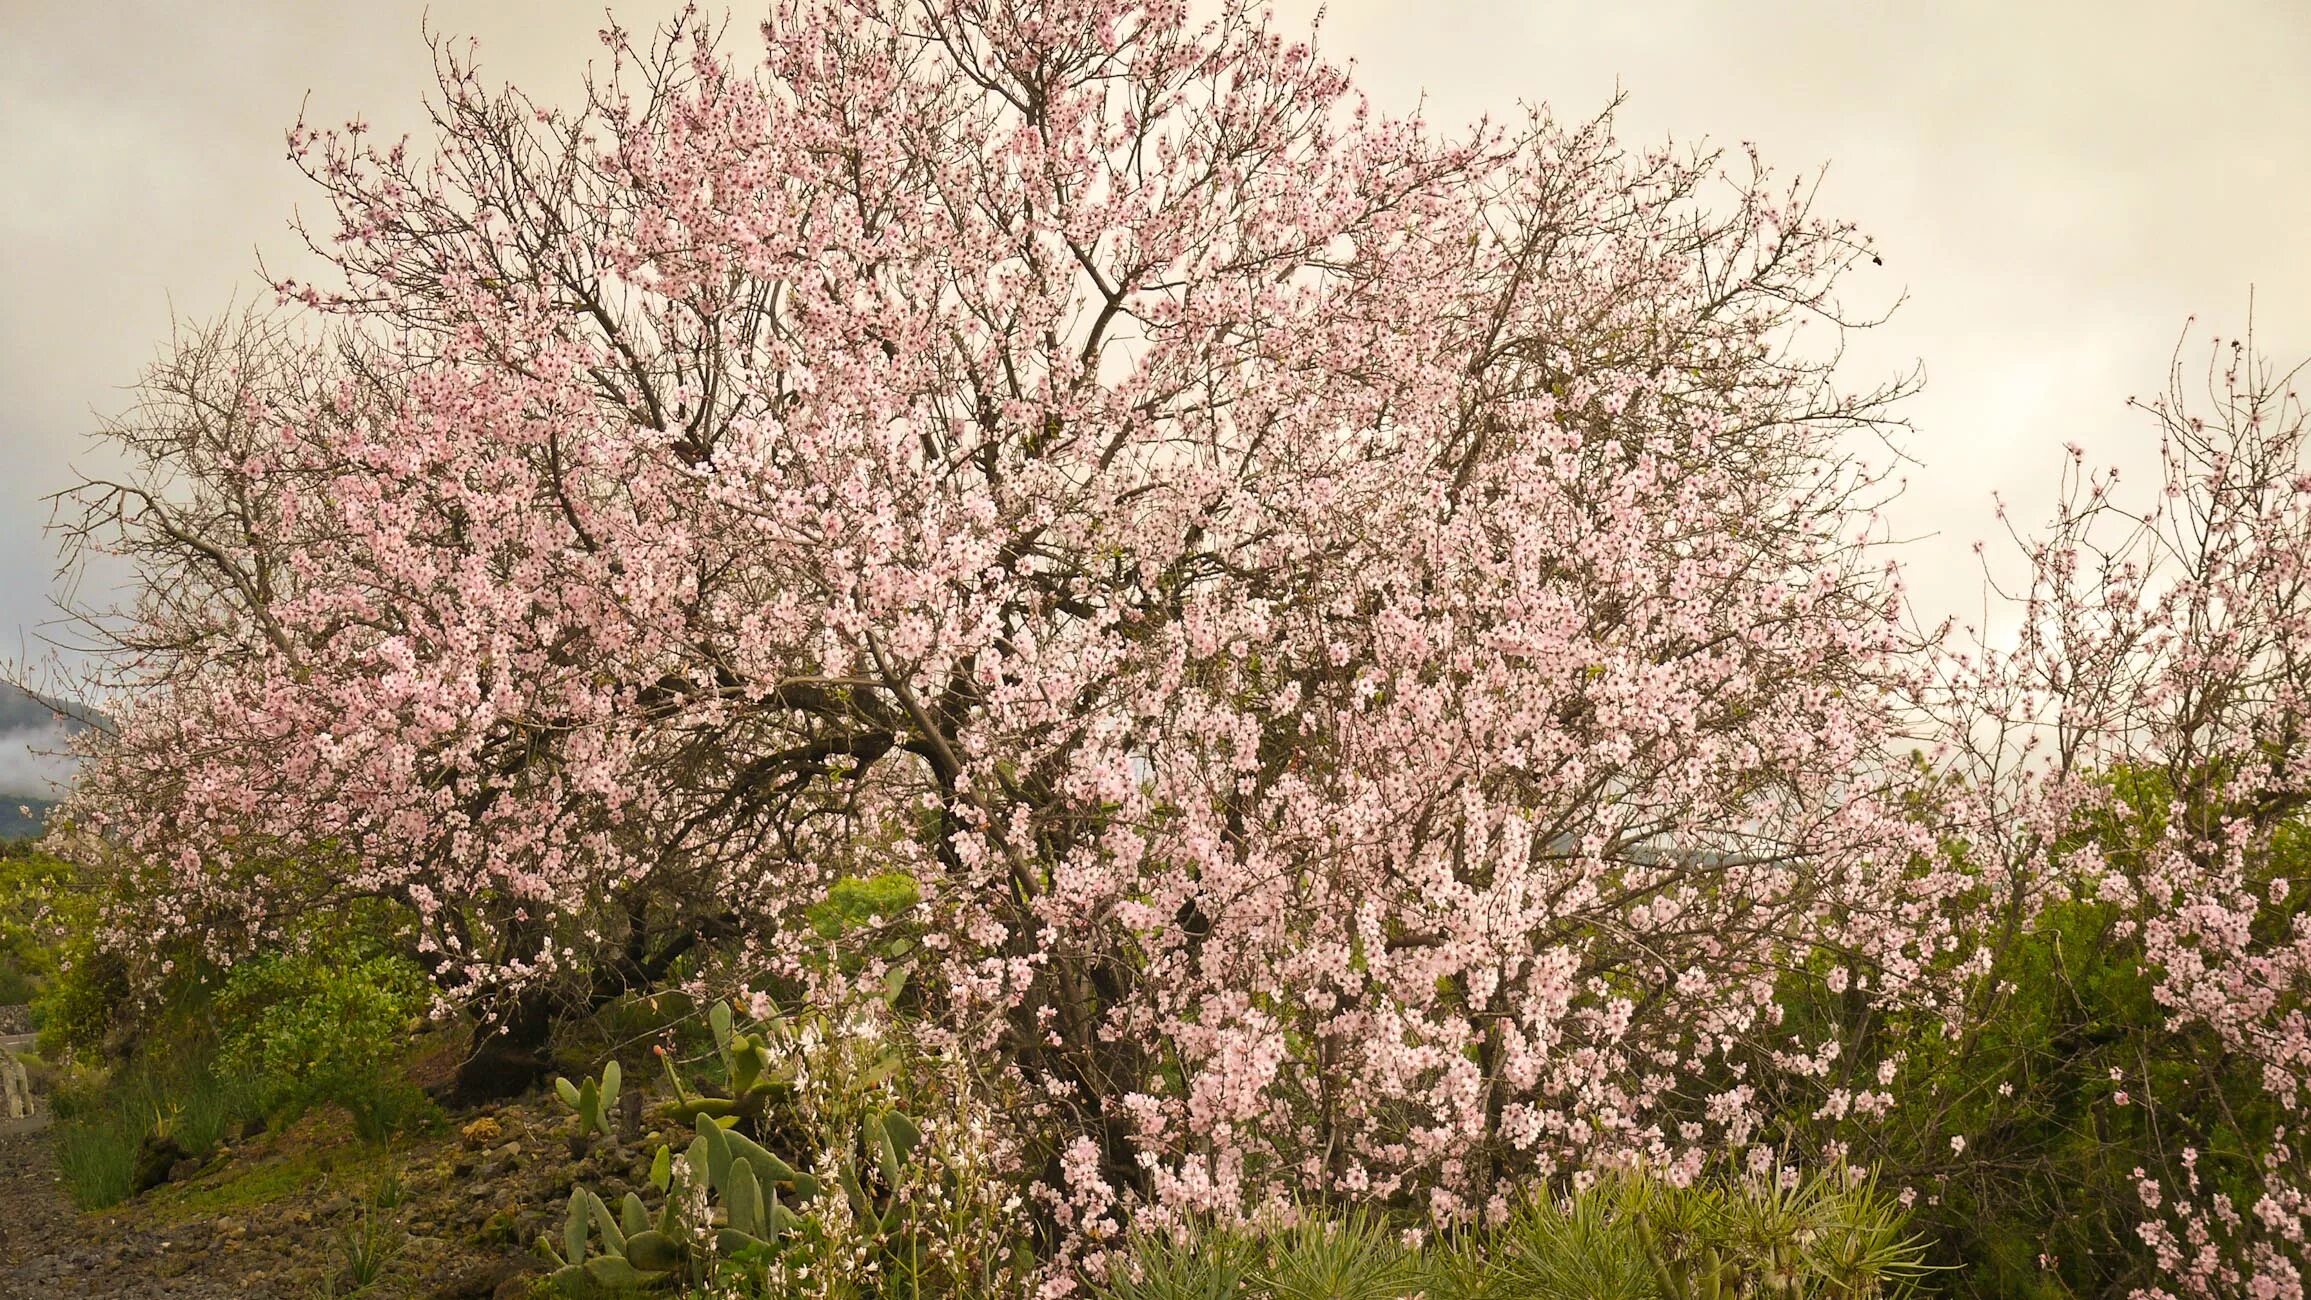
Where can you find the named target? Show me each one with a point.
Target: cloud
(33, 763)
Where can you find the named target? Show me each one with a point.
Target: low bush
(78, 1006)
(872, 1173)
(37, 895)
(291, 1034)
(156, 1072)
(320, 1026)
(16, 987)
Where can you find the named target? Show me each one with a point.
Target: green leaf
(730, 1241)
(717, 1152)
(746, 1063)
(879, 1142)
(744, 1200)
(613, 1270)
(904, 1133)
(700, 1158)
(574, 1229)
(653, 1251)
(613, 1239)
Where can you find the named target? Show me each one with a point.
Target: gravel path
(48, 1251)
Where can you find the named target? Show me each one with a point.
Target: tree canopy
(1371, 646)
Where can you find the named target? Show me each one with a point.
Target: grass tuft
(99, 1131)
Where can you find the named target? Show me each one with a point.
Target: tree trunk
(508, 1056)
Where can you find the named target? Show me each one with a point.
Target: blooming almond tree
(2147, 735)
(1367, 644)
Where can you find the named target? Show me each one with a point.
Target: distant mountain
(27, 710)
(15, 824)
(34, 769)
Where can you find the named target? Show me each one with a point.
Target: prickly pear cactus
(746, 1192)
(749, 1195)
(594, 1102)
(757, 1079)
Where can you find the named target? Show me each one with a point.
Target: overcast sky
(2055, 185)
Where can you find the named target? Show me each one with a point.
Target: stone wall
(16, 1101)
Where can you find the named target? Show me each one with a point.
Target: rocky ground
(312, 1212)
(49, 1249)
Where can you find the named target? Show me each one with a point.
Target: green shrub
(856, 901)
(863, 915)
(81, 994)
(197, 1054)
(78, 1004)
(38, 899)
(2065, 1092)
(2067, 1082)
(314, 1028)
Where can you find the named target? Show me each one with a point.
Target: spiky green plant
(1356, 1258)
(1629, 1236)
(1832, 1235)
(1214, 1264)
(365, 1253)
(1581, 1247)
